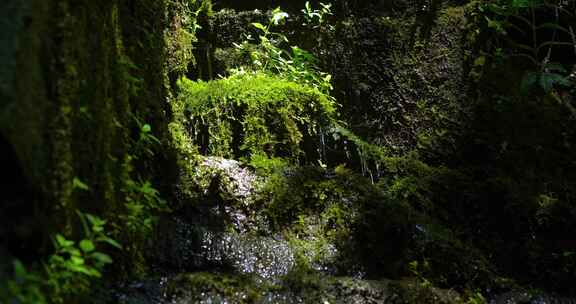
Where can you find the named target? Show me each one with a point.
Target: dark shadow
(20, 230)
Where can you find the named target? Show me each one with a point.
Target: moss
(90, 74)
(310, 285)
(216, 287)
(413, 292)
(254, 114)
(180, 47)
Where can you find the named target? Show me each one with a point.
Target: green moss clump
(254, 114)
(202, 286)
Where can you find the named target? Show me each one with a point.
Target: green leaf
(95, 221)
(326, 7)
(307, 6)
(480, 61)
(87, 246)
(85, 270)
(495, 24)
(111, 242)
(279, 16)
(93, 272)
(78, 184)
(259, 26)
(19, 270)
(74, 252)
(548, 80)
(146, 128)
(76, 260)
(63, 242)
(101, 258)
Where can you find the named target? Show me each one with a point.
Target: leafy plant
(265, 165)
(419, 269)
(476, 298)
(26, 287)
(68, 272)
(146, 142)
(129, 72)
(143, 203)
(522, 17)
(315, 17)
(73, 265)
(273, 55)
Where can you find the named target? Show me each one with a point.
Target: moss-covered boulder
(249, 114)
(202, 287)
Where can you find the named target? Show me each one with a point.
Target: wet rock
(234, 181)
(221, 288)
(224, 195)
(146, 291)
(193, 247)
(521, 297)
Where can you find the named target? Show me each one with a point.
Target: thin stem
(534, 36)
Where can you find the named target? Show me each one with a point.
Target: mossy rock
(338, 221)
(219, 288)
(250, 114)
(212, 288)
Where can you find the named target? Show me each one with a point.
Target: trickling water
(362, 161)
(322, 146)
(194, 247)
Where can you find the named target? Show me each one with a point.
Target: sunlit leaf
(78, 184)
(279, 16)
(76, 260)
(63, 242)
(259, 26)
(87, 246)
(146, 128)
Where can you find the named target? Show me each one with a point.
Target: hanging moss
(254, 114)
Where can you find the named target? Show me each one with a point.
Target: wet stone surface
(237, 182)
(521, 297)
(192, 247)
(228, 195)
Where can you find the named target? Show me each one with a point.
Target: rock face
(396, 70)
(214, 233)
(219, 192)
(214, 255)
(235, 182)
(72, 106)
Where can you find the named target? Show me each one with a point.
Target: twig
(573, 38)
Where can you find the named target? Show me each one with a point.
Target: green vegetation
(251, 114)
(218, 286)
(68, 273)
(417, 152)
